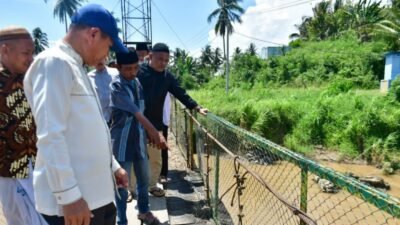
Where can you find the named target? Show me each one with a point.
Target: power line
(202, 37)
(280, 7)
(277, 8)
(199, 35)
(170, 27)
(258, 39)
(116, 4)
(208, 43)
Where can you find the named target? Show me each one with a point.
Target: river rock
(326, 185)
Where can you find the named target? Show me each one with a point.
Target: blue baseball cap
(95, 15)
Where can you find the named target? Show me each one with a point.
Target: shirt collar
(125, 81)
(5, 72)
(70, 51)
(163, 73)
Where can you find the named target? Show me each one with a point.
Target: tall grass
(356, 123)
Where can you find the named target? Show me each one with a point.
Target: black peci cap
(127, 58)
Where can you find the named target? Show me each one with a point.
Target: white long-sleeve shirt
(167, 110)
(74, 157)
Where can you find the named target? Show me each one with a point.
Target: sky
(179, 23)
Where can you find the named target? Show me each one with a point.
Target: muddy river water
(367, 170)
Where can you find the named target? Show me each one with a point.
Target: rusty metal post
(191, 143)
(186, 139)
(216, 186)
(303, 192)
(208, 169)
(239, 187)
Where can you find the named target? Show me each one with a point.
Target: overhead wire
(199, 36)
(198, 50)
(170, 27)
(280, 7)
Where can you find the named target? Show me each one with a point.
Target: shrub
(276, 122)
(248, 116)
(395, 88)
(339, 86)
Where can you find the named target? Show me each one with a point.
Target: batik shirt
(17, 128)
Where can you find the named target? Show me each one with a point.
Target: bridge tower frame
(136, 22)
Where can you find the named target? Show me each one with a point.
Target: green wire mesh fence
(250, 180)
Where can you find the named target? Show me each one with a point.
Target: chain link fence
(250, 180)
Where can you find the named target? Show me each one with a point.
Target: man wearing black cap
(156, 82)
(142, 50)
(128, 137)
(75, 168)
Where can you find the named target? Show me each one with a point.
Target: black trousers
(102, 216)
(164, 155)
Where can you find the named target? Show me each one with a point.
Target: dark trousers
(102, 216)
(164, 155)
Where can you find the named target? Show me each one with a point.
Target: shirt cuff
(115, 165)
(68, 196)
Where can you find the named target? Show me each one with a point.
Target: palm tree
(228, 12)
(179, 61)
(303, 28)
(237, 52)
(40, 40)
(389, 28)
(179, 55)
(206, 56)
(216, 59)
(367, 16)
(320, 25)
(294, 36)
(252, 50)
(66, 8)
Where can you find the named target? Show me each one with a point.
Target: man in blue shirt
(128, 135)
(101, 78)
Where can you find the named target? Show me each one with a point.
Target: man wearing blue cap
(75, 169)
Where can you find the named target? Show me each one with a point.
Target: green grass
(356, 123)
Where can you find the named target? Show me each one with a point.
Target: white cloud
(268, 20)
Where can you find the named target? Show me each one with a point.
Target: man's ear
(94, 33)
(4, 49)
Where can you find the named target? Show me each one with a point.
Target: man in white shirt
(75, 169)
(164, 154)
(101, 78)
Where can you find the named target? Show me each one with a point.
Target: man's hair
(142, 47)
(160, 47)
(79, 27)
